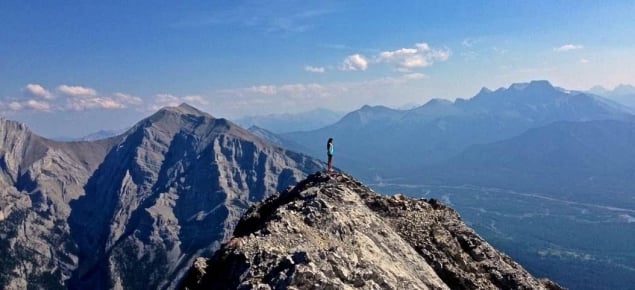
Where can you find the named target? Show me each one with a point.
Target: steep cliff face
(332, 232)
(132, 211)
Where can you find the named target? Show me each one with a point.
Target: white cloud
(355, 62)
(469, 42)
(414, 76)
(314, 69)
(167, 100)
(568, 47)
(31, 104)
(15, 106)
(85, 103)
(76, 91)
(263, 89)
(38, 105)
(127, 99)
(71, 98)
(195, 99)
(419, 56)
(81, 98)
(37, 90)
(584, 60)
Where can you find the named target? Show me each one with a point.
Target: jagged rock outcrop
(131, 211)
(332, 232)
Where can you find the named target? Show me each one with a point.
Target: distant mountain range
(102, 134)
(283, 123)
(378, 141)
(624, 94)
(130, 211)
(590, 161)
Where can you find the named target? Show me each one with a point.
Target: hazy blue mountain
(103, 134)
(276, 139)
(98, 135)
(623, 94)
(558, 198)
(599, 90)
(360, 139)
(395, 141)
(592, 161)
(281, 123)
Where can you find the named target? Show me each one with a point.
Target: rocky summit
(134, 210)
(332, 232)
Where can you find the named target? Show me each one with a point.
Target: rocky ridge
(332, 232)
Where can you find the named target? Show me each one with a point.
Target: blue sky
(73, 67)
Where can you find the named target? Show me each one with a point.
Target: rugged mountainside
(38, 179)
(131, 211)
(332, 232)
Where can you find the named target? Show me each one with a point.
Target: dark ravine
(134, 210)
(332, 232)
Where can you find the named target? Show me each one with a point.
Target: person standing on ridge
(329, 153)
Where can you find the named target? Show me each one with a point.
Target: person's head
(330, 141)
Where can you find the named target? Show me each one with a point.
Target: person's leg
(329, 163)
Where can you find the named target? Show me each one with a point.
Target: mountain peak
(331, 231)
(369, 108)
(437, 102)
(533, 85)
(484, 90)
(177, 117)
(182, 109)
(624, 89)
(185, 108)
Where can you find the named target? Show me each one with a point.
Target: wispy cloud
(127, 99)
(355, 62)
(38, 105)
(260, 16)
(295, 90)
(15, 106)
(584, 60)
(470, 42)
(336, 46)
(567, 47)
(314, 69)
(297, 22)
